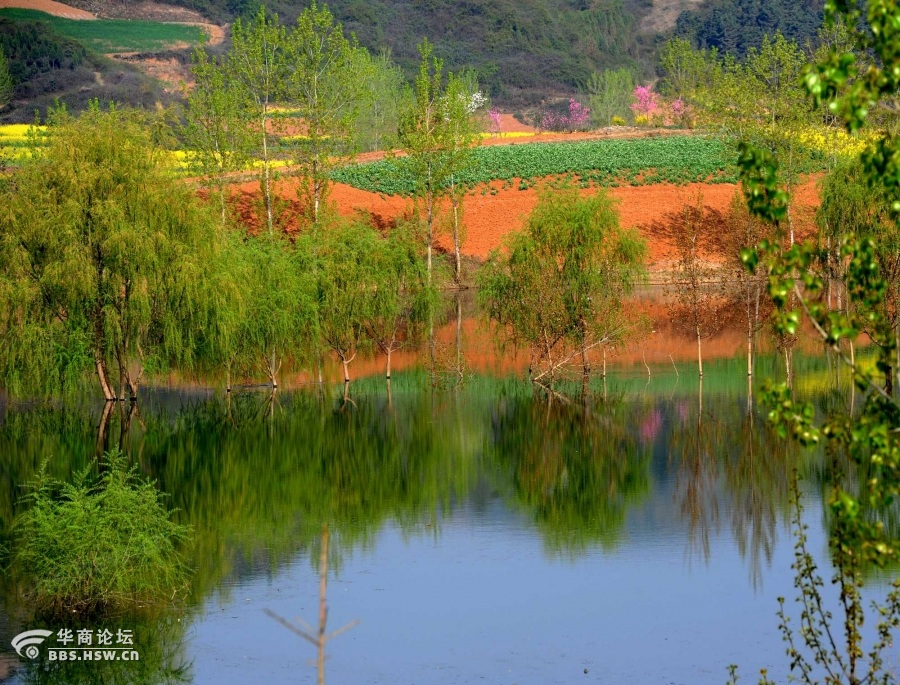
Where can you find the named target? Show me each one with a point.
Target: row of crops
(644, 161)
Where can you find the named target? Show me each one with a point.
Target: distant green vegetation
(49, 66)
(675, 159)
(736, 26)
(114, 35)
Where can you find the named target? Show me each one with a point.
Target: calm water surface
(480, 535)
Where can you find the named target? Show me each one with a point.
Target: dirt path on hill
(50, 7)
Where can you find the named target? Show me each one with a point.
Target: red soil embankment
(490, 217)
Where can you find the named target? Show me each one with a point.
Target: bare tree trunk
(456, 245)
(103, 429)
(459, 364)
(103, 377)
(267, 186)
(344, 363)
(787, 368)
(699, 353)
(429, 217)
(273, 370)
(389, 350)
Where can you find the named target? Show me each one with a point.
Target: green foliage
(673, 159)
(327, 75)
(864, 438)
(258, 72)
(437, 133)
(737, 26)
(560, 287)
(99, 544)
(102, 251)
(379, 116)
(6, 82)
(401, 300)
(275, 314)
(609, 96)
(114, 35)
(522, 50)
(217, 129)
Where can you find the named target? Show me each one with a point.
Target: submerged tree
(699, 289)
(401, 298)
(559, 287)
(102, 251)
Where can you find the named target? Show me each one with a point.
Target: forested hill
(522, 50)
(736, 25)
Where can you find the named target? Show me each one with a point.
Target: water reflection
(257, 476)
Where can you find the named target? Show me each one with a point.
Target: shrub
(618, 121)
(98, 544)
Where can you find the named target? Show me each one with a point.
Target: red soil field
(489, 218)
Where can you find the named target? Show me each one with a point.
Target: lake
(481, 533)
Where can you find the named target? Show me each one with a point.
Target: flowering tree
(496, 127)
(645, 105)
(577, 119)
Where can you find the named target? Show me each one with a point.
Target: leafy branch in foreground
(867, 438)
(99, 544)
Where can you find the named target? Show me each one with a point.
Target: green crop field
(644, 161)
(114, 35)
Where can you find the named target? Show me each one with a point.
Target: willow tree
(329, 76)
(559, 288)
(344, 289)
(280, 303)
(102, 251)
(400, 297)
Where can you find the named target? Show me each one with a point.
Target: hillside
(523, 50)
(736, 25)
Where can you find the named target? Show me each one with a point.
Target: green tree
(102, 251)
(461, 100)
(379, 118)
(867, 437)
(609, 95)
(434, 137)
(401, 299)
(328, 78)
(6, 82)
(257, 70)
(684, 67)
(560, 286)
(280, 304)
(345, 289)
(218, 130)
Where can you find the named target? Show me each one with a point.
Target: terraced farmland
(645, 161)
